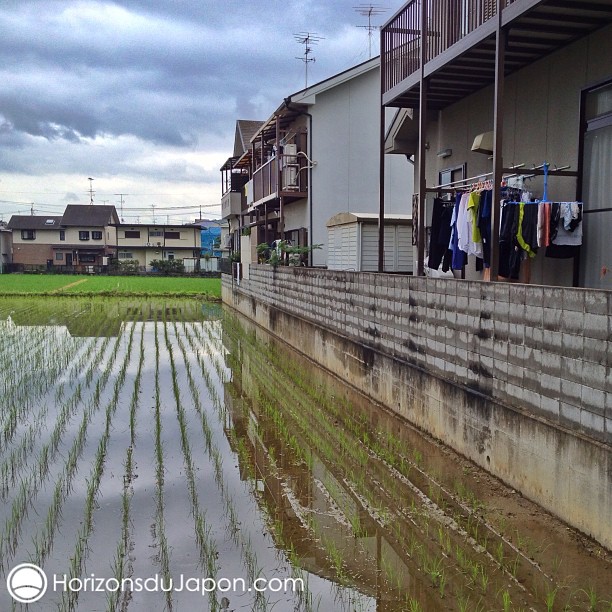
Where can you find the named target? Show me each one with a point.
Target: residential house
(485, 86)
(6, 247)
(86, 235)
(147, 242)
(233, 184)
(34, 238)
(316, 156)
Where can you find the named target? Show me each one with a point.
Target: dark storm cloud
(148, 91)
(167, 72)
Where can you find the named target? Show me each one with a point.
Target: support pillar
(381, 192)
(422, 144)
(501, 37)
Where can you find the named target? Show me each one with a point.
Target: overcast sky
(143, 95)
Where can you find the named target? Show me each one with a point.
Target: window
(173, 235)
(597, 182)
(28, 234)
(83, 235)
(59, 257)
(125, 255)
(170, 255)
(155, 233)
(87, 258)
(96, 235)
(50, 222)
(132, 234)
(62, 234)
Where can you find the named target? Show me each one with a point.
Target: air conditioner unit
(290, 153)
(290, 168)
(290, 176)
(149, 244)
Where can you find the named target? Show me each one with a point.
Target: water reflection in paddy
(171, 437)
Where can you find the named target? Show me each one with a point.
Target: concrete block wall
(542, 350)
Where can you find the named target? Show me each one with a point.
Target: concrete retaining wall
(517, 378)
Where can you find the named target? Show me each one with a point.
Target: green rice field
(187, 460)
(39, 284)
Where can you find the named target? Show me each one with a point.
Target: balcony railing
(448, 21)
(293, 176)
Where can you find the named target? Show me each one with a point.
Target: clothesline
(541, 170)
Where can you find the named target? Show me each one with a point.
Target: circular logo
(26, 583)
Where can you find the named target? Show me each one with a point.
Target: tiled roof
(89, 215)
(19, 222)
(245, 130)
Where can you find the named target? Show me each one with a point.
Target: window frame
(83, 235)
(28, 234)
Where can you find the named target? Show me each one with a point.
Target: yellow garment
(519, 233)
(472, 206)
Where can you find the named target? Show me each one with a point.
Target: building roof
(245, 130)
(89, 215)
(361, 217)
(31, 222)
(298, 102)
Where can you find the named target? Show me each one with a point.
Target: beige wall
(190, 237)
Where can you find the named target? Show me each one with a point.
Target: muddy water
(178, 440)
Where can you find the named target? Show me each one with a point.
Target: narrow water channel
(177, 440)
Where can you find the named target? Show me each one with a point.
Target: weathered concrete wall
(517, 378)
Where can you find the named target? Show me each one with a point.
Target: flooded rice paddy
(161, 439)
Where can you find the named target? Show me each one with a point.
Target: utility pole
(369, 11)
(307, 39)
(91, 191)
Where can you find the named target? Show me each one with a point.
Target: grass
(83, 285)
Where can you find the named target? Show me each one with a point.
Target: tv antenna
(121, 204)
(308, 39)
(91, 191)
(369, 11)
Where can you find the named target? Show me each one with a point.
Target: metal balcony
(460, 43)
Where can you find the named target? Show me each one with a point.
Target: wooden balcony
(291, 182)
(459, 39)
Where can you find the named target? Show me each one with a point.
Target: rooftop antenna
(32, 209)
(369, 11)
(91, 191)
(153, 209)
(308, 39)
(121, 205)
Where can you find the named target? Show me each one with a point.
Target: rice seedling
(549, 599)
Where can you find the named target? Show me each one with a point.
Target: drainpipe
(287, 103)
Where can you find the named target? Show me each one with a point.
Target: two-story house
(34, 238)
(519, 90)
(233, 184)
(86, 235)
(148, 242)
(82, 236)
(314, 157)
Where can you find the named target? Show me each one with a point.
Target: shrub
(168, 266)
